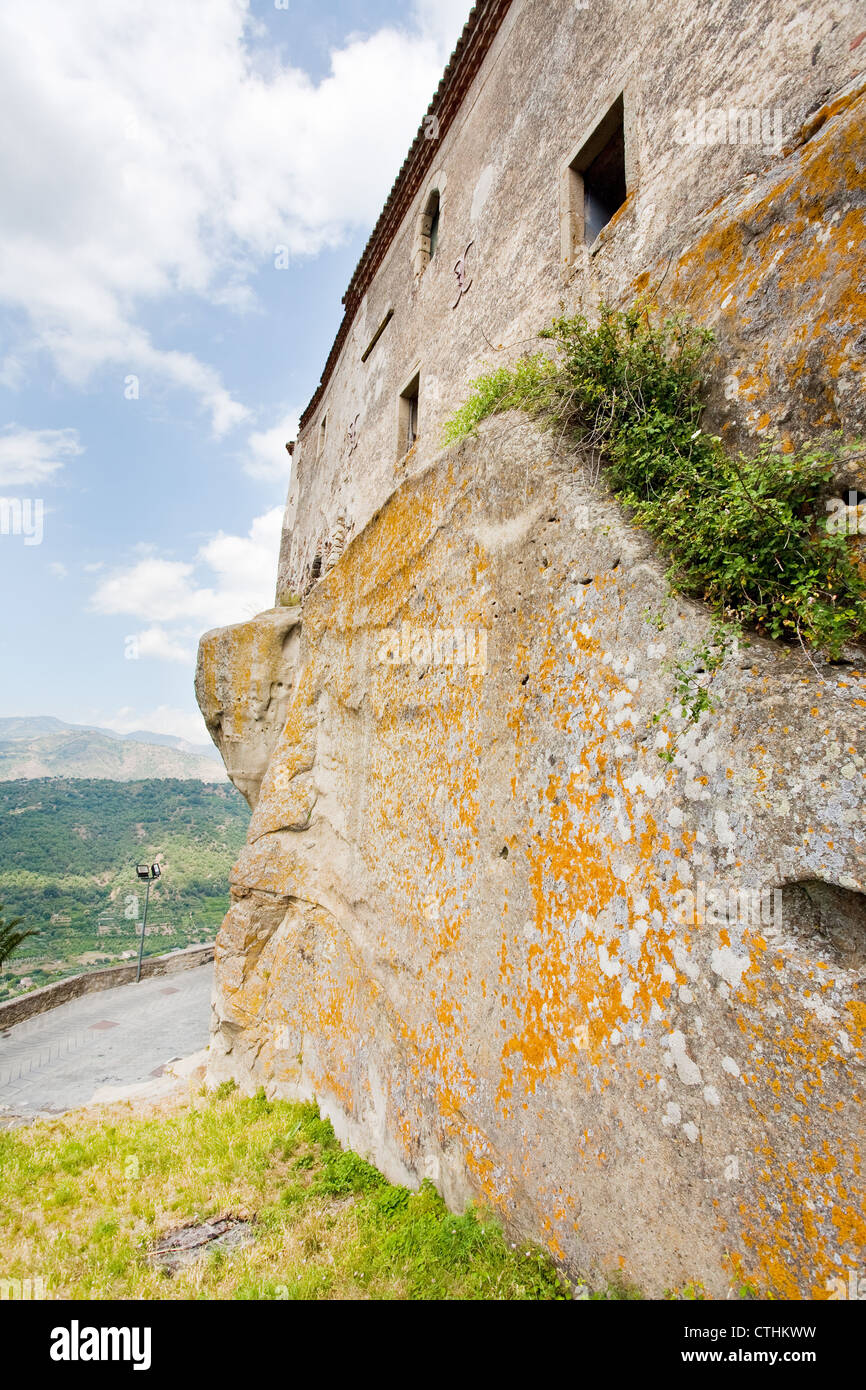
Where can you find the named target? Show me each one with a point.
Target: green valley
(68, 850)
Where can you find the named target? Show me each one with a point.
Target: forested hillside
(68, 850)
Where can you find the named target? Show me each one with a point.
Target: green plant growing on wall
(692, 694)
(689, 1293)
(658, 620)
(530, 385)
(748, 536)
(10, 937)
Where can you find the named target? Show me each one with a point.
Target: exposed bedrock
(243, 683)
(504, 943)
(776, 268)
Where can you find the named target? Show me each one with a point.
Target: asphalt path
(114, 1038)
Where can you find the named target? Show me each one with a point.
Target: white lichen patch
(688, 1070)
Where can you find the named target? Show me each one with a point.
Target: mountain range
(43, 746)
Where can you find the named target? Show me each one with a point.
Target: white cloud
(153, 588)
(150, 151)
(442, 21)
(31, 457)
(266, 456)
(156, 642)
(186, 724)
(239, 574)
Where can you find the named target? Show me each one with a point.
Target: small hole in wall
(316, 571)
(827, 916)
(503, 853)
(433, 213)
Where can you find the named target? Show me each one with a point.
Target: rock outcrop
(518, 922)
(509, 947)
(243, 684)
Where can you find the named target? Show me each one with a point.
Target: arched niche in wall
(427, 225)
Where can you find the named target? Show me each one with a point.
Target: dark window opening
(433, 214)
(316, 571)
(598, 186)
(604, 188)
(408, 415)
(426, 234)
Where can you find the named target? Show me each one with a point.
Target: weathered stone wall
(463, 919)
(503, 942)
(553, 71)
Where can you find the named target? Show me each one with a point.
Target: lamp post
(147, 872)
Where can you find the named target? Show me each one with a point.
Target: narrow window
(595, 186)
(377, 335)
(323, 430)
(426, 234)
(433, 214)
(408, 415)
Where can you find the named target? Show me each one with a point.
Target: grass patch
(86, 1199)
(748, 536)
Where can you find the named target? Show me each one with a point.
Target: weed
(748, 536)
(336, 1229)
(693, 671)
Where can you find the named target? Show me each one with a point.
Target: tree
(10, 937)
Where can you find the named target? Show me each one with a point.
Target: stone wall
(470, 917)
(504, 943)
(552, 72)
(39, 1001)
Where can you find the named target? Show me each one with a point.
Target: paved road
(116, 1037)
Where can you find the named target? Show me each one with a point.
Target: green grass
(747, 535)
(84, 1199)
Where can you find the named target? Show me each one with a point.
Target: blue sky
(156, 165)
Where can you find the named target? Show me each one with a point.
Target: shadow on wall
(827, 916)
